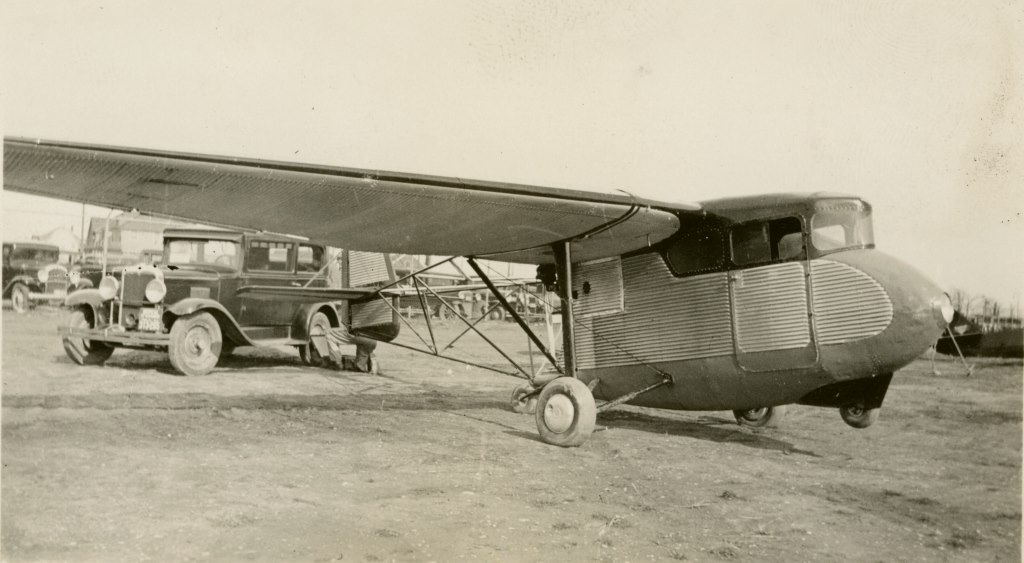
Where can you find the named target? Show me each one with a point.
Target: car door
(268, 263)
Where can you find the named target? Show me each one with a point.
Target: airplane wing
(350, 208)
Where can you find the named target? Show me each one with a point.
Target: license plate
(149, 319)
(61, 293)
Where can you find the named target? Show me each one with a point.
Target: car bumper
(115, 335)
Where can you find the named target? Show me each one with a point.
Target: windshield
(842, 225)
(223, 253)
(35, 254)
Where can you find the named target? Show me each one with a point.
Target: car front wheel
(195, 344)
(81, 351)
(20, 301)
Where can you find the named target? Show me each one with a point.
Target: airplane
(745, 304)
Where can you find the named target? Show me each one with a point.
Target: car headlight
(43, 274)
(155, 291)
(108, 287)
(74, 277)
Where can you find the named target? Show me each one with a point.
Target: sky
(918, 107)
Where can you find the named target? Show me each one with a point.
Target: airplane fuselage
(796, 325)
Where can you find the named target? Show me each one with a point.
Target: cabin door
(771, 317)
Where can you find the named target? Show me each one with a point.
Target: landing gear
(566, 412)
(195, 344)
(760, 417)
(857, 416)
(524, 399)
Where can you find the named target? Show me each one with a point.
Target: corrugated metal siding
(366, 268)
(664, 318)
(848, 304)
(604, 279)
(771, 308)
(371, 314)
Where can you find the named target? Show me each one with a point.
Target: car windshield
(842, 225)
(35, 254)
(223, 253)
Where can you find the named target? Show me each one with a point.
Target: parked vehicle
(32, 274)
(214, 290)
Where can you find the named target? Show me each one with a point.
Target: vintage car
(213, 291)
(32, 274)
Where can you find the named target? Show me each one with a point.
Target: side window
(756, 242)
(750, 243)
(269, 256)
(696, 252)
(310, 258)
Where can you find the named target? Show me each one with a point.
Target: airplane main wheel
(857, 416)
(20, 301)
(308, 352)
(520, 402)
(81, 351)
(566, 412)
(195, 344)
(760, 417)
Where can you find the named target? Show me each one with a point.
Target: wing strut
(563, 257)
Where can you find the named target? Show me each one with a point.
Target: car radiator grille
(134, 287)
(57, 280)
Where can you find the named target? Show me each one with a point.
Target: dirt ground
(265, 459)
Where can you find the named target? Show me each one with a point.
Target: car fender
(86, 296)
(30, 281)
(228, 325)
(305, 312)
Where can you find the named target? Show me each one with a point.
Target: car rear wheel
(195, 344)
(20, 301)
(310, 352)
(81, 351)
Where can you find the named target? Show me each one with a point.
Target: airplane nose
(920, 309)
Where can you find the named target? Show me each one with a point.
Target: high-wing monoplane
(744, 304)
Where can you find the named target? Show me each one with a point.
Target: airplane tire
(760, 417)
(566, 412)
(857, 416)
(520, 403)
(81, 351)
(308, 353)
(195, 344)
(20, 301)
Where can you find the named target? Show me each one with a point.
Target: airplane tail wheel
(566, 412)
(520, 402)
(857, 416)
(760, 417)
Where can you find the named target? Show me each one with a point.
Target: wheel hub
(198, 341)
(559, 413)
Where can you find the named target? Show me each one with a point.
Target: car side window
(310, 258)
(269, 256)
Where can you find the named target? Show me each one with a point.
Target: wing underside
(350, 208)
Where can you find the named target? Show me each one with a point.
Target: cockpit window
(696, 252)
(756, 242)
(205, 252)
(842, 225)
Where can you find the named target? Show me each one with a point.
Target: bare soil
(265, 459)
